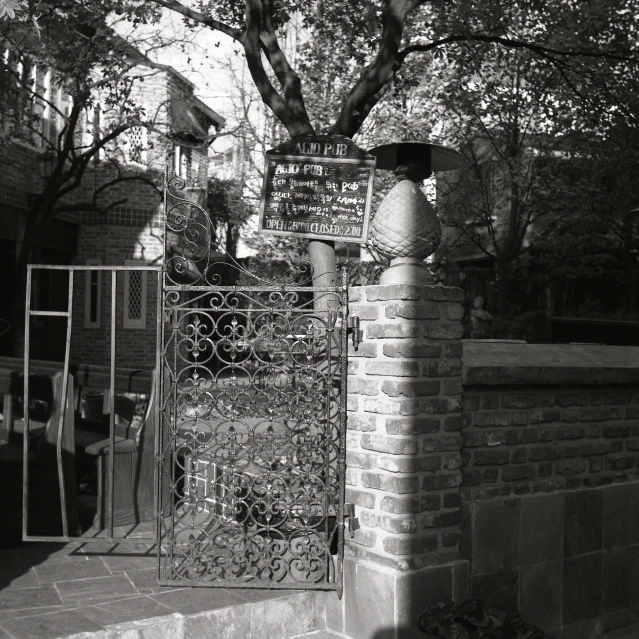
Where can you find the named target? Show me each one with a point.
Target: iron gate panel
(252, 419)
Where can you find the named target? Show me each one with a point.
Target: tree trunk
(502, 289)
(322, 257)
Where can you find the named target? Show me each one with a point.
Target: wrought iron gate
(252, 417)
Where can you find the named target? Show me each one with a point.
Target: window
(134, 297)
(134, 145)
(181, 161)
(92, 296)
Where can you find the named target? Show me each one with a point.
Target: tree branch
(252, 47)
(376, 75)
(198, 16)
(286, 75)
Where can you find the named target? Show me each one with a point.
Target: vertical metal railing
(64, 400)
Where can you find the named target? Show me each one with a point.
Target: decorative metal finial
(406, 228)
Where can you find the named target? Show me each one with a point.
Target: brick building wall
(114, 245)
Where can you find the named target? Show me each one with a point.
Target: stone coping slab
(503, 363)
(109, 591)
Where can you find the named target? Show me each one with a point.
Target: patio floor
(109, 591)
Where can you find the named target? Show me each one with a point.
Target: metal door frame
(68, 314)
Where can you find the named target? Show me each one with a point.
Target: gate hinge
(356, 332)
(349, 514)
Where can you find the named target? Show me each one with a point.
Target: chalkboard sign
(317, 187)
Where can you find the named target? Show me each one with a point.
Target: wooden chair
(133, 464)
(46, 457)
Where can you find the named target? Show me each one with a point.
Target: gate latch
(355, 331)
(349, 514)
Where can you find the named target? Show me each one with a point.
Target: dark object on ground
(473, 620)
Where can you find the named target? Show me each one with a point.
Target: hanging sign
(318, 187)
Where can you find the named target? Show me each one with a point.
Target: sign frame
(360, 159)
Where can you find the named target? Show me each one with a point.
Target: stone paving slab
(632, 632)
(106, 591)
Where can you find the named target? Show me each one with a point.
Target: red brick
(364, 311)
(398, 463)
(517, 473)
(360, 460)
(616, 430)
(441, 481)
(412, 425)
(569, 432)
(430, 462)
(411, 349)
(454, 311)
(570, 466)
(390, 483)
(542, 416)
(450, 538)
(392, 369)
(454, 350)
(361, 386)
(436, 443)
(410, 388)
(393, 292)
(394, 445)
(442, 368)
(410, 504)
(365, 349)
(491, 457)
(365, 537)
(519, 400)
(453, 422)
(360, 498)
(621, 461)
(437, 406)
(413, 311)
(383, 331)
(536, 453)
(440, 519)
(357, 421)
(437, 331)
(599, 447)
(492, 418)
(391, 406)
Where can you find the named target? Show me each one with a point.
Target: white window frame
(88, 293)
(140, 322)
(182, 159)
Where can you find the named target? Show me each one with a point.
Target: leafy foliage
(473, 620)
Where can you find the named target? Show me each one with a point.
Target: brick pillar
(403, 460)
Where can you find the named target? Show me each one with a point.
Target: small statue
(480, 320)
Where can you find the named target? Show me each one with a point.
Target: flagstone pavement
(105, 591)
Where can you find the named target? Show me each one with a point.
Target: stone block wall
(567, 560)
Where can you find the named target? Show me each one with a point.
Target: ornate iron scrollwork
(252, 418)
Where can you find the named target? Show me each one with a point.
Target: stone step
(110, 591)
(271, 615)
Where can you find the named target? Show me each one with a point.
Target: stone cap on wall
(503, 363)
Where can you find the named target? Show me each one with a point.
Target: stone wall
(550, 514)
